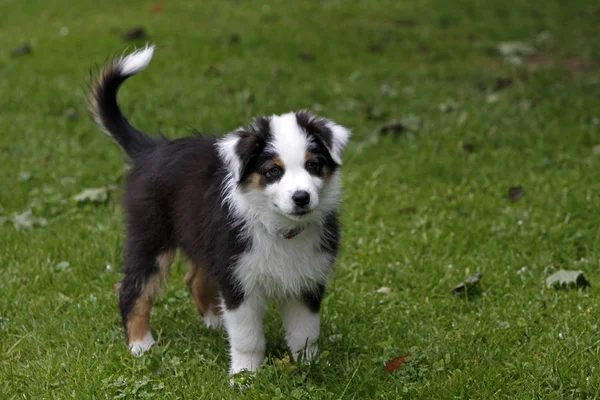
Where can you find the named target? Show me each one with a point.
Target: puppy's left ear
(339, 139)
(239, 148)
(333, 136)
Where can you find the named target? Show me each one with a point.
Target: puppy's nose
(301, 198)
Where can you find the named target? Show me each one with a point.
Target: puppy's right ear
(239, 148)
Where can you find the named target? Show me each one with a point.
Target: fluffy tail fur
(103, 101)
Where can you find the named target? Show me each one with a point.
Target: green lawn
(423, 208)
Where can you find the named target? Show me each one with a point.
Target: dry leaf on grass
(469, 283)
(396, 363)
(384, 290)
(567, 279)
(26, 220)
(94, 195)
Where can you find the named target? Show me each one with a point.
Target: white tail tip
(136, 61)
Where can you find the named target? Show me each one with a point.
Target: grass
(423, 208)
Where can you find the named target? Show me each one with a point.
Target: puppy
(255, 212)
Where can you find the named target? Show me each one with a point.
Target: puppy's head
(286, 164)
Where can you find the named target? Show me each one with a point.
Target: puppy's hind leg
(145, 272)
(205, 293)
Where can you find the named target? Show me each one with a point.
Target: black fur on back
(174, 199)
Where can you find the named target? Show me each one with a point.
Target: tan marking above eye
(278, 162)
(307, 156)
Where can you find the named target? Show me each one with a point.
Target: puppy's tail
(103, 101)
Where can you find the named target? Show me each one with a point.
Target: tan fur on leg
(138, 322)
(205, 293)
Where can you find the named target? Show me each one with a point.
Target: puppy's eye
(313, 167)
(273, 172)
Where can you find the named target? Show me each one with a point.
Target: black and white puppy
(255, 212)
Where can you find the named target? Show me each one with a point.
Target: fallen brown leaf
(395, 363)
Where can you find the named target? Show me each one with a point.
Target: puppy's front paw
(139, 347)
(245, 362)
(307, 353)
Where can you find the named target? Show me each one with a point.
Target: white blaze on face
(291, 143)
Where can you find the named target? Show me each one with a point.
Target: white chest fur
(281, 268)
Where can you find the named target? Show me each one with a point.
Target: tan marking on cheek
(278, 162)
(205, 291)
(138, 321)
(255, 181)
